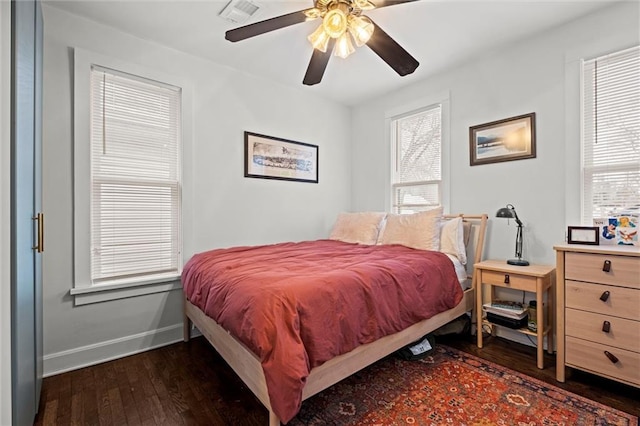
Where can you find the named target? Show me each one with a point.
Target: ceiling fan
(342, 21)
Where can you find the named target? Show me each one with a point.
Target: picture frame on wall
(509, 139)
(268, 157)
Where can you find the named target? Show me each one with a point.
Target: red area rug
(451, 388)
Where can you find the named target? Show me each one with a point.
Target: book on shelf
(507, 304)
(512, 312)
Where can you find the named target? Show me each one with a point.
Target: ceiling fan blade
(385, 3)
(391, 52)
(266, 26)
(318, 64)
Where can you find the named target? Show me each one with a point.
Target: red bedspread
(297, 305)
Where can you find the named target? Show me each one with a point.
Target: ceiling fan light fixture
(361, 28)
(312, 13)
(335, 21)
(319, 39)
(363, 4)
(344, 47)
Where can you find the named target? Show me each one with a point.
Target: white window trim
(83, 291)
(412, 108)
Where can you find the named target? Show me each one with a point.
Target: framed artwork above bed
(268, 157)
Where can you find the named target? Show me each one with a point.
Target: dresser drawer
(624, 271)
(501, 279)
(623, 333)
(590, 356)
(622, 302)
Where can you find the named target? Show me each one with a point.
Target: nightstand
(537, 279)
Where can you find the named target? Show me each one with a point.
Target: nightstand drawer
(591, 356)
(510, 280)
(623, 271)
(623, 333)
(620, 302)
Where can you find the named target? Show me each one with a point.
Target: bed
(252, 362)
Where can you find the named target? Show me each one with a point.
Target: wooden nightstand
(533, 278)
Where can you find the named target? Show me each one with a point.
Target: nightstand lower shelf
(522, 330)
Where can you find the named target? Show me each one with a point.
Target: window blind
(417, 177)
(135, 178)
(611, 135)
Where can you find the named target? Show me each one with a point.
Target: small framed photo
(503, 140)
(583, 235)
(268, 157)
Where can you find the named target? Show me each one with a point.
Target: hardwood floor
(189, 383)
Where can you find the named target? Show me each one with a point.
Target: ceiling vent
(239, 11)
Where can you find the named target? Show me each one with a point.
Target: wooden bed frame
(247, 365)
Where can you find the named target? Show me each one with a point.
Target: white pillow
(361, 228)
(419, 230)
(452, 239)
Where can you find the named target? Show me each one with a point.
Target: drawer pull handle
(605, 296)
(606, 326)
(607, 266)
(506, 278)
(612, 357)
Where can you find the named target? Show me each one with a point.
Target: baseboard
(85, 356)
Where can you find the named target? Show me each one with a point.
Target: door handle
(39, 218)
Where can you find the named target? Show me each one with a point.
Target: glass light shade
(361, 29)
(335, 22)
(319, 39)
(344, 47)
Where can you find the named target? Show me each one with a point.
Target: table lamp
(510, 213)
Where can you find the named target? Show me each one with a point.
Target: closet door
(37, 198)
(26, 219)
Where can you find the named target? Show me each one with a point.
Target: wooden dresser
(598, 311)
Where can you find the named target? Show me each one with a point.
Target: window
(135, 201)
(416, 178)
(127, 177)
(611, 135)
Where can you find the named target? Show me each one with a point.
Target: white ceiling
(438, 33)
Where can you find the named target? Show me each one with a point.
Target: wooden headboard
(475, 247)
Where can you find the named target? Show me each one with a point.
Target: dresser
(598, 311)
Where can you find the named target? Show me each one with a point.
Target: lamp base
(518, 262)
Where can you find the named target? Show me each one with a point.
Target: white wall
(539, 74)
(5, 202)
(221, 207)
(524, 77)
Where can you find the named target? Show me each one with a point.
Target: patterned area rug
(451, 388)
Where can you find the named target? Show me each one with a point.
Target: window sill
(106, 292)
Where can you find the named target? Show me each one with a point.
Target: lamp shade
(506, 212)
